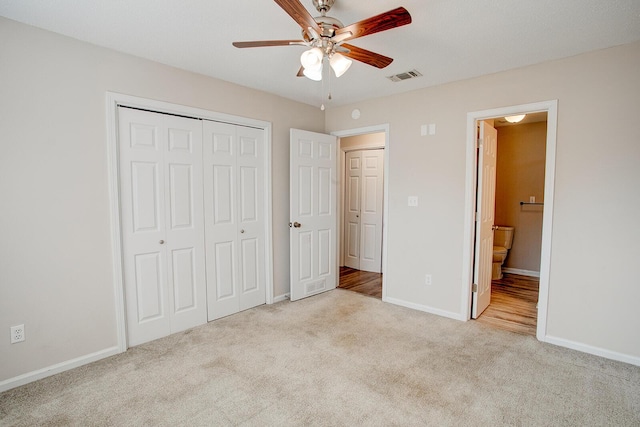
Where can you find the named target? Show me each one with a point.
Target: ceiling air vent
(405, 76)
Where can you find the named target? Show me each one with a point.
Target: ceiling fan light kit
(312, 59)
(326, 36)
(340, 64)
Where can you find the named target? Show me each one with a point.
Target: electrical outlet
(427, 280)
(17, 334)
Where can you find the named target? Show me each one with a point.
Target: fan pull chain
(322, 90)
(329, 78)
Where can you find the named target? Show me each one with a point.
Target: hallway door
(313, 213)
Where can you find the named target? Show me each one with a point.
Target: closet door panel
(371, 210)
(222, 195)
(248, 195)
(148, 287)
(185, 222)
(224, 270)
(249, 265)
(142, 201)
(162, 223)
(251, 221)
(219, 160)
(184, 279)
(181, 192)
(353, 160)
(145, 199)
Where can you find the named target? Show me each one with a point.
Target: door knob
(357, 216)
(162, 242)
(297, 224)
(242, 231)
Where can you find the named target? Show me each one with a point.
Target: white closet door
(363, 209)
(353, 162)
(371, 210)
(162, 223)
(234, 204)
(251, 224)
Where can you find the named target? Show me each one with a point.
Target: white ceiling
(448, 40)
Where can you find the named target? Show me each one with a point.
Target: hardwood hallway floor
(513, 298)
(513, 304)
(363, 282)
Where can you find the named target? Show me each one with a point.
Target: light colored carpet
(336, 359)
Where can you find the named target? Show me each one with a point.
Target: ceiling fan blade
(297, 11)
(385, 21)
(265, 43)
(366, 56)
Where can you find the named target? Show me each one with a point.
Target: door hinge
(474, 287)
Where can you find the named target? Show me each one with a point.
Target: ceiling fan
(326, 37)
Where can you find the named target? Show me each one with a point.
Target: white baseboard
(281, 298)
(521, 272)
(596, 351)
(56, 369)
(425, 308)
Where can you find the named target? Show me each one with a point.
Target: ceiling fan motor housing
(323, 6)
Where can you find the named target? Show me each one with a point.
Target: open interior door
(313, 214)
(485, 208)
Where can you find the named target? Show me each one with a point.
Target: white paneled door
(363, 209)
(485, 207)
(162, 223)
(313, 213)
(234, 201)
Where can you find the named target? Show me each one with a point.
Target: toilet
(502, 240)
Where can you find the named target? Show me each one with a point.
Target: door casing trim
(385, 205)
(551, 107)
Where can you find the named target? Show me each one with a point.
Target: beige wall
(520, 174)
(56, 255)
(594, 286)
(55, 252)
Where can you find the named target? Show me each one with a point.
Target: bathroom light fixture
(515, 119)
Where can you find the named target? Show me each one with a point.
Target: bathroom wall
(520, 174)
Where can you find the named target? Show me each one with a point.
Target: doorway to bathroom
(510, 189)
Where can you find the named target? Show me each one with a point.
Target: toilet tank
(503, 236)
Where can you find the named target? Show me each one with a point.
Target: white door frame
(113, 101)
(385, 207)
(551, 107)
